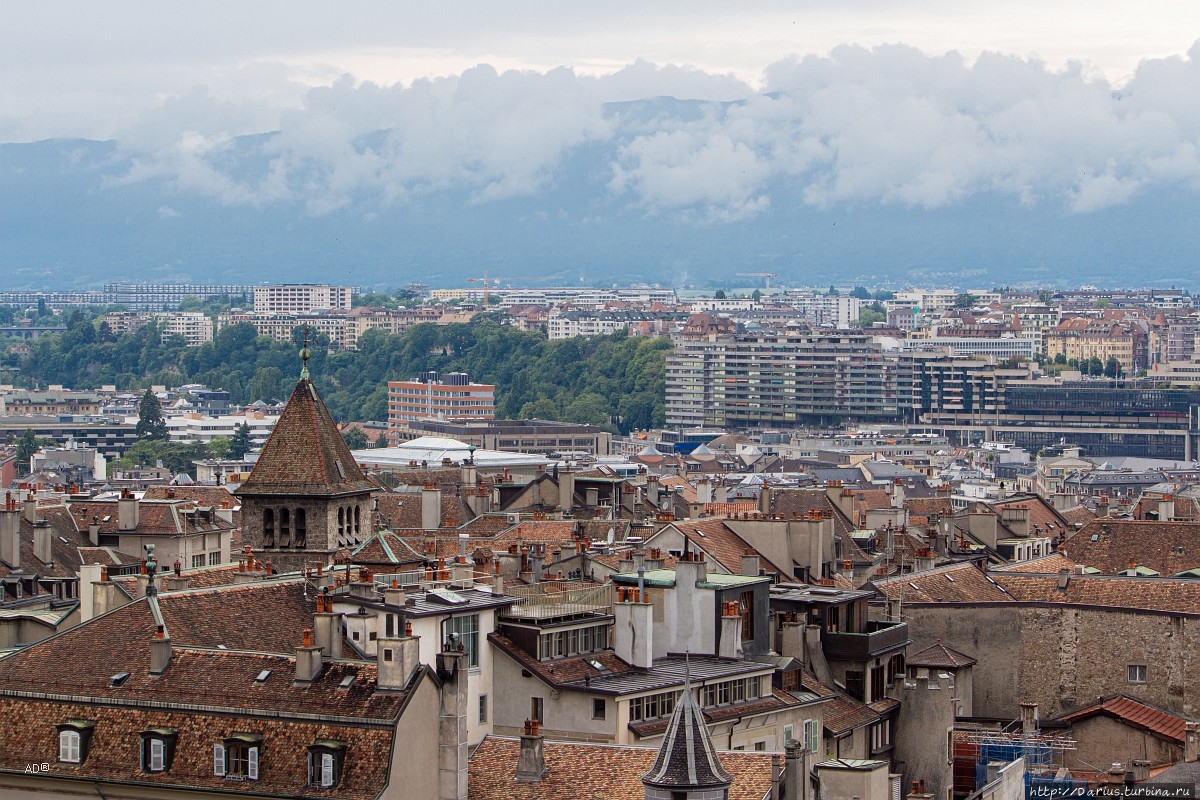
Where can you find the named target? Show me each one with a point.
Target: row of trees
(615, 381)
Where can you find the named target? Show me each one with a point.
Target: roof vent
(119, 679)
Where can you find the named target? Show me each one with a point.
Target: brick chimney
(10, 538)
(41, 541)
(128, 512)
(160, 651)
(731, 630)
(531, 765)
(308, 660)
(633, 627)
(431, 507)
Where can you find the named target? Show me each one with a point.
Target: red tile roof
(577, 771)
(1132, 712)
(843, 714)
(1156, 594)
(305, 454)
(957, 583)
(1165, 547)
(938, 656)
(719, 543)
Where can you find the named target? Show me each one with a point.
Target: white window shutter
(252, 763)
(156, 755)
(326, 770)
(219, 760)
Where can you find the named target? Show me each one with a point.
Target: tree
(860, 292)
(719, 294)
(151, 424)
(964, 300)
(26, 447)
(240, 444)
(833, 292)
(355, 438)
(1112, 367)
(218, 446)
(868, 316)
(756, 295)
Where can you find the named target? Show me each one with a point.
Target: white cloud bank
(884, 125)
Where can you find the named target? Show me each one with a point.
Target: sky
(1073, 106)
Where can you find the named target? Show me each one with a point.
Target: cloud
(887, 125)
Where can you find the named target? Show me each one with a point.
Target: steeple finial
(305, 353)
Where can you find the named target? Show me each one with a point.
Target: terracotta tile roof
(539, 531)
(28, 729)
(1165, 547)
(928, 506)
(485, 523)
(721, 544)
(213, 496)
(1131, 712)
(1044, 520)
(65, 543)
(107, 556)
(155, 517)
(1157, 594)
(595, 529)
(1079, 515)
(267, 616)
(613, 560)
(867, 499)
(199, 578)
(577, 771)
(938, 656)
(559, 671)
(727, 509)
(403, 510)
(305, 454)
(675, 483)
(1046, 565)
(955, 583)
(843, 714)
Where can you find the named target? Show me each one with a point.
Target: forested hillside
(615, 380)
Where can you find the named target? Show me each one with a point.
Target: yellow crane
(486, 286)
(764, 275)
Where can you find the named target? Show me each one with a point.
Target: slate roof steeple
(687, 759)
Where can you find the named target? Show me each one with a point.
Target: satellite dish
(612, 535)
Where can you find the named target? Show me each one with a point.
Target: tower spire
(305, 353)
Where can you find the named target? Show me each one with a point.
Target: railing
(878, 638)
(559, 599)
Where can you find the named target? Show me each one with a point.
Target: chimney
(160, 651)
(1029, 719)
(452, 725)
(104, 594)
(41, 541)
(593, 497)
(731, 630)
(431, 507)
(470, 476)
(1191, 741)
(1102, 506)
(531, 765)
(795, 774)
(1166, 509)
(327, 627)
(10, 538)
(31, 514)
(750, 565)
(791, 637)
(704, 491)
(308, 660)
(566, 488)
(633, 627)
(397, 660)
(128, 512)
(691, 569)
(94, 531)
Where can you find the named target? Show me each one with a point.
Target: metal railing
(559, 598)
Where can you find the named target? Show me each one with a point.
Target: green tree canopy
(355, 438)
(151, 424)
(240, 443)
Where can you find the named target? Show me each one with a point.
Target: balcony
(879, 638)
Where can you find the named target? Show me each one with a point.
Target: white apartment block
(822, 310)
(192, 427)
(281, 327)
(301, 298)
(194, 327)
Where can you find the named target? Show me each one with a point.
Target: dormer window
(236, 758)
(326, 757)
(158, 749)
(73, 738)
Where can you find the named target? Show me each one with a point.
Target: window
(572, 642)
(214, 558)
(1136, 673)
(599, 708)
(652, 706)
(466, 628)
(812, 735)
(326, 757)
(198, 561)
(535, 709)
(483, 709)
(746, 607)
(268, 527)
(158, 749)
(285, 528)
(237, 757)
(68, 747)
(725, 692)
(881, 736)
(300, 521)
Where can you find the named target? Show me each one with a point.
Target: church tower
(687, 767)
(306, 498)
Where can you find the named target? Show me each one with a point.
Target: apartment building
(302, 298)
(452, 396)
(194, 327)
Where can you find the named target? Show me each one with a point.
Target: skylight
(120, 678)
(447, 597)
(262, 676)
(347, 682)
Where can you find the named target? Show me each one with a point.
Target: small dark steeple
(687, 764)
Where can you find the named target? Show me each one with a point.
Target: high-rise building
(449, 396)
(301, 298)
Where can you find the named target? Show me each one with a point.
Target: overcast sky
(1085, 102)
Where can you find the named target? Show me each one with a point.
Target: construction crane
(766, 276)
(486, 286)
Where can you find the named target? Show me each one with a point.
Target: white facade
(194, 327)
(301, 298)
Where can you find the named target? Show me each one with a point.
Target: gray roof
(672, 670)
(687, 758)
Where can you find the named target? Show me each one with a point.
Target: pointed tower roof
(306, 454)
(687, 758)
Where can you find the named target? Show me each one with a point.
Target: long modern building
(434, 396)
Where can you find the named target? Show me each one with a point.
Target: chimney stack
(452, 725)
(1191, 741)
(308, 660)
(431, 507)
(750, 564)
(795, 775)
(41, 542)
(160, 651)
(633, 627)
(397, 659)
(10, 538)
(731, 630)
(327, 627)
(94, 531)
(1029, 719)
(704, 491)
(1166, 509)
(531, 765)
(566, 488)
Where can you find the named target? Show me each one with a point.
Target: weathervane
(305, 353)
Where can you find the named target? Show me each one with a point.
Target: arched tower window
(285, 528)
(341, 535)
(268, 527)
(300, 518)
(356, 521)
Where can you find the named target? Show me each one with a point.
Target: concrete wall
(415, 750)
(920, 732)
(567, 715)
(1063, 657)
(841, 783)
(1009, 783)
